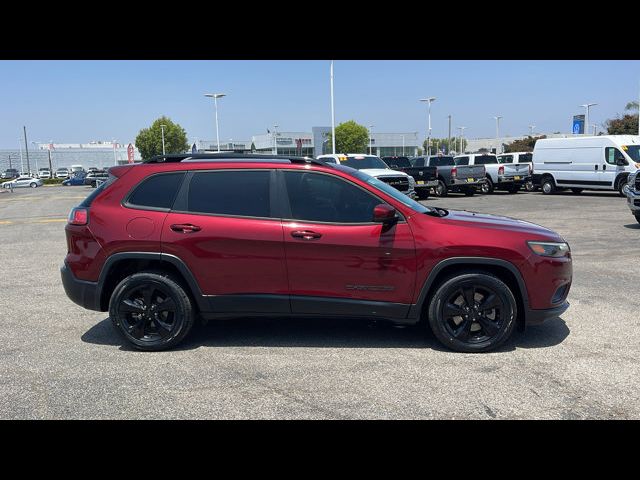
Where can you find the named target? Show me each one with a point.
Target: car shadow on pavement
(632, 226)
(323, 333)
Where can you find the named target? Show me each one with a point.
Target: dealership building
(315, 143)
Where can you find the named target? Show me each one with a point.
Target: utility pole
(449, 137)
(333, 117)
(50, 165)
(9, 161)
(498, 133)
(26, 148)
(20, 150)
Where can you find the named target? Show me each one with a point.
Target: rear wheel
(33, 184)
(576, 190)
(487, 187)
(473, 312)
(548, 186)
(441, 189)
(151, 311)
(530, 187)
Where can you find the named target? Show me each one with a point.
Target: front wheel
(441, 189)
(151, 311)
(33, 184)
(530, 187)
(472, 312)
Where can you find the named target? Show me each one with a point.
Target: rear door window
(485, 160)
(462, 161)
(240, 193)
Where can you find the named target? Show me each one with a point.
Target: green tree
(631, 106)
(351, 137)
(627, 125)
(149, 140)
(522, 145)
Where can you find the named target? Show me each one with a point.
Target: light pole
(403, 145)
(498, 117)
(215, 97)
(449, 137)
(115, 158)
(333, 117)
(586, 118)
(35, 143)
(531, 127)
(429, 100)
(461, 138)
(162, 128)
(275, 139)
(370, 127)
(21, 163)
(26, 148)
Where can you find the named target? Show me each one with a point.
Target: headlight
(550, 249)
(412, 182)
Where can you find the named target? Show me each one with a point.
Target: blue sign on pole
(578, 124)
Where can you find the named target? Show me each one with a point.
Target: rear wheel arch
(121, 265)
(504, 270)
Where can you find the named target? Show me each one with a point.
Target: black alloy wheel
(473, 312)
(151, 311)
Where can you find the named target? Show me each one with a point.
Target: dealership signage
(578, 124)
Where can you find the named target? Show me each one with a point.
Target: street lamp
(429, 100)
(498, 117)
(215, 97)
(35, 146)
(162, 128)
(461, 138)
(370, 127)
(531, 127)
(586, 118)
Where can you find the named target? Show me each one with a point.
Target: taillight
(78, 216)
(501, 170)
(454, 172)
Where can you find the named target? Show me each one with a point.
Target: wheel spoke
(130, 306)
(137, 330)
(489, 302)
(163, 328)
(147, 294)
(166, 304)
(468, 293)
(463, 330)
(453, 310)
(489, 327)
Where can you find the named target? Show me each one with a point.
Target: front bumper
(83, 293)
(536, 317)
(633, 200)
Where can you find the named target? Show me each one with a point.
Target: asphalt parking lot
(61, 361)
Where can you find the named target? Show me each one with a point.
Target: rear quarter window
(156, 192)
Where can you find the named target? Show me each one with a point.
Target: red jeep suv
(207, 236)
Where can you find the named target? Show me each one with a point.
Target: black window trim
(181, 203)
(125, 201)
(286, 207)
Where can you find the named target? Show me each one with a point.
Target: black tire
(476, 331)
(422, 194)
(622, 182)
(637, 215)
(488, 187)
(468, 192)
(576, 190)
(93, 184)
(548, 186)
(33, 184)
(146, 330)
(441, 189)
(530, 187)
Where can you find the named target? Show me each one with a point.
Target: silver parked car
(23, 181)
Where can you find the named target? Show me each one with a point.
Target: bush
(53, 181)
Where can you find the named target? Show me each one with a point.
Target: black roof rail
(224, 156)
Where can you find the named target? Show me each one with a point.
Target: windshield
(633, 151)
(389, 190)
(441, 161)
(361, 161)
(400, 162)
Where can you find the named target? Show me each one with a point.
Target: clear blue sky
(79, 101)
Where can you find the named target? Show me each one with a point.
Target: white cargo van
(592, 163)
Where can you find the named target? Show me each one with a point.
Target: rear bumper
(456, 182)
(80, 292)
(512, 180)
(536, 317)
(426, 184)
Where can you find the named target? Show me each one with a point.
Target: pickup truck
(521, 157)
(452, 178)
(502, 176)
(426, 177)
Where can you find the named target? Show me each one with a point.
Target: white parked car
(374, 166)
(594, 163)
(44, 173)
(62, 173)
(23, 181)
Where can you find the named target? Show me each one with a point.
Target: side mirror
(621, 162)
(384, 213)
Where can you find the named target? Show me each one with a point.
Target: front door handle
(185, 228)
(305, 234)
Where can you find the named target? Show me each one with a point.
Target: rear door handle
(185, 228)
(306, 234)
